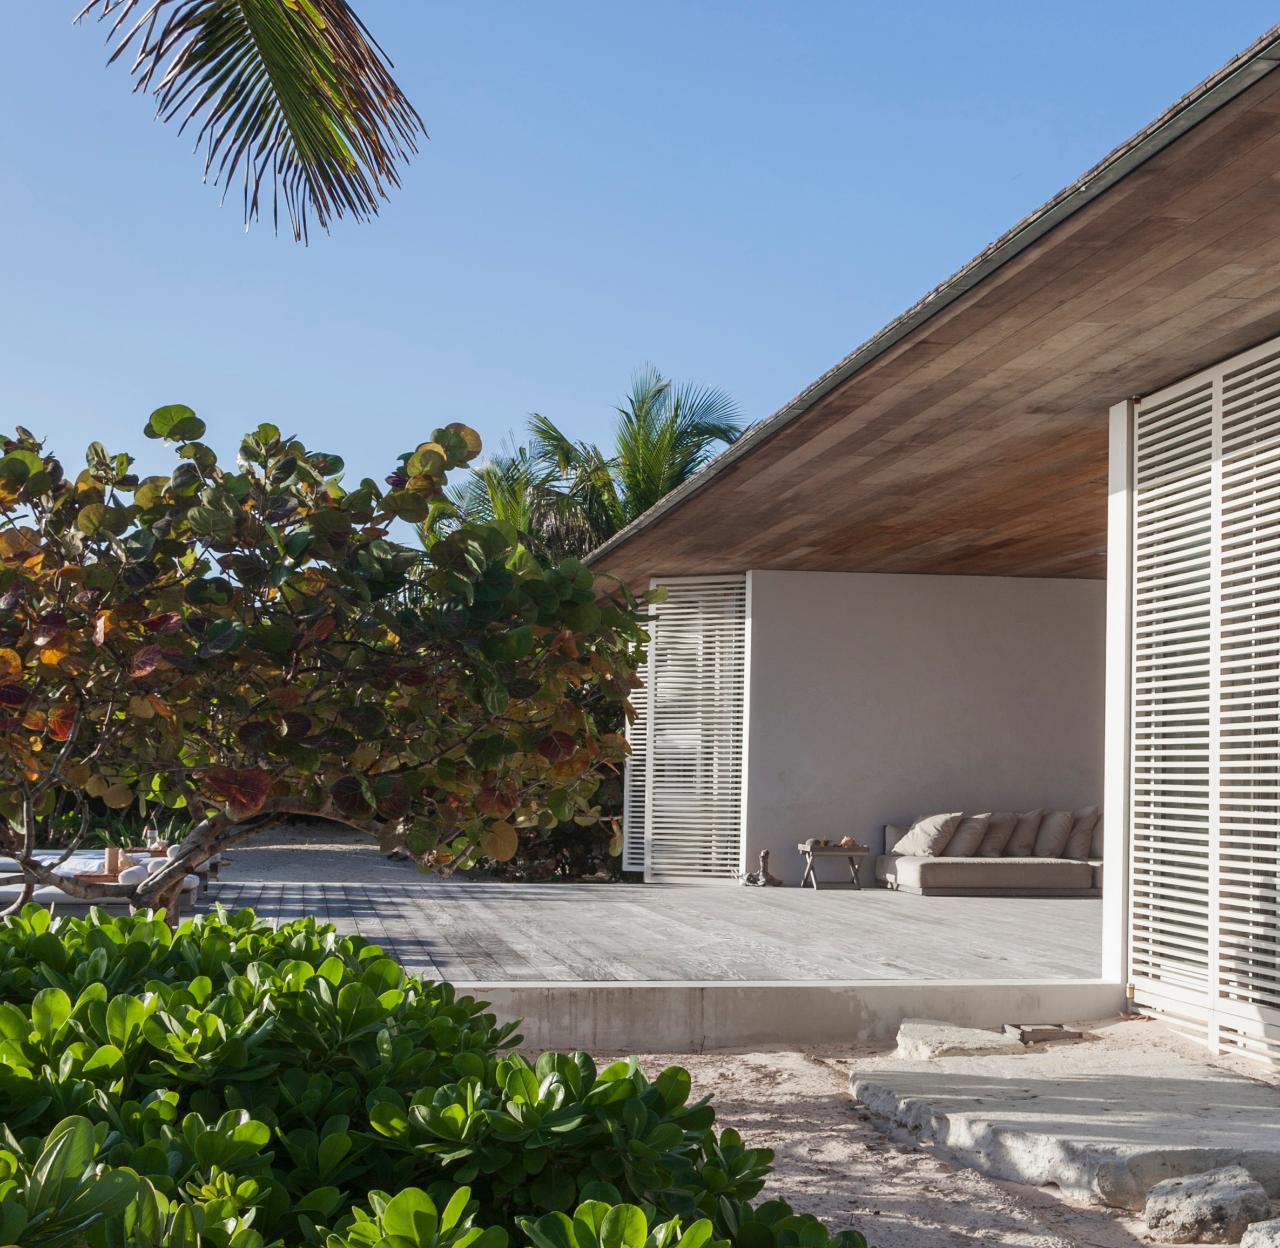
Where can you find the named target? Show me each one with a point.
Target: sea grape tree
(248, 643)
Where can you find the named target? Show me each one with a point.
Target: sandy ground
(314, 854)
(831, 1161)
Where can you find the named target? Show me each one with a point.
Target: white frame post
(1115, 850)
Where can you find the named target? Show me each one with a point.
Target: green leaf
(175, 423)
(624, 1226)
(99, 520)
(49, 1011)
(222, 637)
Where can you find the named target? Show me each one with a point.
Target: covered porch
(1016, 551)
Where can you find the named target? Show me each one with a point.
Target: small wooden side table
(853, 856)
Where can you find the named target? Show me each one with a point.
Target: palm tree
(512, 490)
(664, 434)
(293, 96)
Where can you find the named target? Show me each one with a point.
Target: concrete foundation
(689, 1017)
(1104, 1120)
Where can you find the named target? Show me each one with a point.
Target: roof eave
(1235, 77)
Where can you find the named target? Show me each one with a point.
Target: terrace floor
(486, 932)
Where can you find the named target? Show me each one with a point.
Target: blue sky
(739, 192)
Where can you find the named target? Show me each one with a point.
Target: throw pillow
(929, 836)
(1051, 840)
(1080, 840)
(999, 829)
(968, 836)
(1023, 840)
(1095, 850)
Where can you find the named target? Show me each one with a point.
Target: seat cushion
(968, 836)
(929, 835)
(1011, 874)
(1096, 864)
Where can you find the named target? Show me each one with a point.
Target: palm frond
(294, 95)
(666, 434)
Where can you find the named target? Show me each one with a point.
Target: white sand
(832, 1162)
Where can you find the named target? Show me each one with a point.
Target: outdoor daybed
(1035, 854)
(64, 903)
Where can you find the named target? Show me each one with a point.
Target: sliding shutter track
(696, 728)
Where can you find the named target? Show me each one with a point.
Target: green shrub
(235, 1085)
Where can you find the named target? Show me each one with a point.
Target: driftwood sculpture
(762, 878)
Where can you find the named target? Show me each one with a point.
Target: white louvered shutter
(1172, 712)
(1205, 905)
(697, 672)
(635, 776)
(1248, 935)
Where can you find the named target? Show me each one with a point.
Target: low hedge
(238, 1085)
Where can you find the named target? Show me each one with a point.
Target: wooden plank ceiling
(978, 443)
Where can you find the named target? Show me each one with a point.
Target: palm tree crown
(293, 95)
(664, 433)
(563, 498)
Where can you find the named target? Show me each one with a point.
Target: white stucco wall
(877, 698)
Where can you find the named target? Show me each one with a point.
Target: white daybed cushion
(1051, 839)
(1023, 840)
(968, 836)
(1080, 841)
(999, 829)
(929, 836)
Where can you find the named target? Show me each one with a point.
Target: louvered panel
(1249, 766)
(693, 805)
(1205, 893)
(1171, 697)
(635, 776)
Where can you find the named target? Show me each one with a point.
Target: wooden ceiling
(977, 443)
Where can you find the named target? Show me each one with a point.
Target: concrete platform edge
(689, 1017)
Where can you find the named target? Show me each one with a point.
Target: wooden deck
(565, 933)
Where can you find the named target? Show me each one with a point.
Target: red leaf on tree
(146, 661)
(244, 789)
(320, 630)
(14, 696)
(51, 626)
(348, 796)
(59, 723)
(556, 747)
(165, 622)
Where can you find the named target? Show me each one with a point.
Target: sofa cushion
(1096, 864)
(1051, 839)
(1023, 839)
(968, 836)
(1012, 874)
(1096, 850)
(929, 836)
(999, 829)
(1080, 841)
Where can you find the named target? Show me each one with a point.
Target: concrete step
(1104, 1120)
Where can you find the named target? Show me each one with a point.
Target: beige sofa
(944, 876)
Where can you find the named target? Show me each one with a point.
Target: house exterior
(1020, 549)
